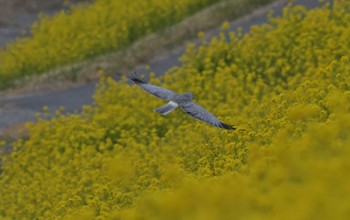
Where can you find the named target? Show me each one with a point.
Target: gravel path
(15, 110)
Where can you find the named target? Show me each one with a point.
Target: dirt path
(16, 110)
(16, 16)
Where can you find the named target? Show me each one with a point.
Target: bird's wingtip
(135, 77)
(227, 126)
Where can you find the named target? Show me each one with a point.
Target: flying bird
(175, 100)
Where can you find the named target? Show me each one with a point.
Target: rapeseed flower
(289, 160)
(90, 30)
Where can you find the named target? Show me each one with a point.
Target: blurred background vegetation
(67, 40)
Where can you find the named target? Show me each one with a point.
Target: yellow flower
(225, 26)
(118, 159)
(200, 34)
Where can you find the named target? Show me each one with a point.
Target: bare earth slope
(15, 110)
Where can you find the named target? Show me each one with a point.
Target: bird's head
(189, 95)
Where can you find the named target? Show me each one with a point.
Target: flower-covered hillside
(286, 87)
(88, 30)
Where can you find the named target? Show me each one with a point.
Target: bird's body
(185, 101)
(182, 98)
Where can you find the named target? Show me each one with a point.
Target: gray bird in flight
(176, 100)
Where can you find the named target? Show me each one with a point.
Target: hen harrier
(182, 100)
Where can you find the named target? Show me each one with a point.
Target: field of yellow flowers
(285, 85)
(89, 30)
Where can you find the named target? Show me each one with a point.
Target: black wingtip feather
(135, 78)
(227, 126)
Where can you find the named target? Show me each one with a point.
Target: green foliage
(285, 85)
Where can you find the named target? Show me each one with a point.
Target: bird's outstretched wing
(157, 91)
(201, 114)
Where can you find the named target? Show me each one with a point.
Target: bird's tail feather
(165, 109)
